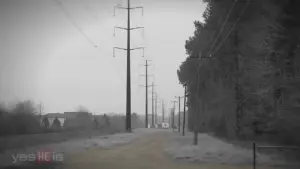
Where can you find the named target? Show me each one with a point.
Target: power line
(72, 20)
(221, 30)
(242, 12)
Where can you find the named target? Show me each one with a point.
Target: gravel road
(147, 152)
(150, 149)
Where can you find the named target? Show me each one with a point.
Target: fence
(256, 148)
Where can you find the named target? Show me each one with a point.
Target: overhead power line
(232, 28)
(222, 28)
(72, 20)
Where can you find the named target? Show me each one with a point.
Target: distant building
(78, 120)
(73, 115)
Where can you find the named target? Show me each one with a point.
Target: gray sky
(44, 58)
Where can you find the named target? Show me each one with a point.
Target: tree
(106, 120)
(24, 119)
(56, 125)
(82, 109)
(248, 83)
(84, 120)
(25, 107)
(46, 122)
(96, 123)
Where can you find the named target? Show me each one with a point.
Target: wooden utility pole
(196, 119)
(156, 99)
(173, 115)
(146, 98)
(152, 104)
(163, 111)
(128, 49)
(184, 103)
(179, 97)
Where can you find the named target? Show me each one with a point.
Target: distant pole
(173, 115)
(170, 118)
(163, 111)
(184, 105)
(146, 101)
(179, 97)
(152, 104)
(155, 108)
(146, 97)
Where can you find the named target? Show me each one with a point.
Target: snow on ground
(73, 146)
(212, 150)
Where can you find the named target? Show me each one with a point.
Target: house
(51, 116)
(78, 120)
(73, 115)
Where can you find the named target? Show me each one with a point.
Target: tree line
(242, 70)
(24, 118)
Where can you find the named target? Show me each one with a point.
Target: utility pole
(170, 114)
(146, 98)
(128, 87)
(196, 119)
(156, 108)
(152, 104)
(173, 114)
(163, 111)
(179, 97)
(184, 103)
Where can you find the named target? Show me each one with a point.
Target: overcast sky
(45, 58)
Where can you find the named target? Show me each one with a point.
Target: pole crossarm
(139, 27)
(119, 7)
(137, 48)
(138, 7)
(117, 48)
(132, 8)
(145, 86)
(126, 49)
(118, 27)
(120, 48)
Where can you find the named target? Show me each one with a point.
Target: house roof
(53, 115)
(74, 114)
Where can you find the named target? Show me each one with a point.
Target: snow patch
(212, 150)
(79, 145)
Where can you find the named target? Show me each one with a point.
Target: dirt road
(146, 152)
